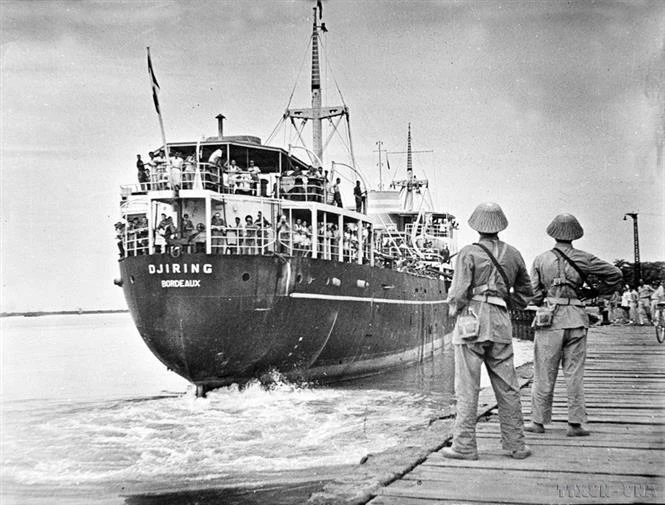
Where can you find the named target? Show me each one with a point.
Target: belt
(564, 301)
(493, 300)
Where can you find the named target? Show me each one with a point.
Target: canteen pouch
(544, 316)
(468, 325)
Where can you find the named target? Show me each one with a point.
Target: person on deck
(253, 170)
(233, 235)
(216, 158)
(359, 196)
(658, 296)
(218, 232)
(199, 238)
(644, 313)
(555, 283)
(142, 172)
(337, 196)
(283, 236)
(120, 237)
(175, 170)
(251, 231)
(625, 303)
(617, 315)
(479, 289)
(161, 233)
(187, 226)
(634, 305)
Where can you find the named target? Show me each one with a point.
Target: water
(89, 415)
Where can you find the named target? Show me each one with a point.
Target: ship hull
(220, 319)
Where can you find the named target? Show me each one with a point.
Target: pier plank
(597, 460)
(622, 461)
(513, 486)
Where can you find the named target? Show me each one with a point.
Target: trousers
(498, 359)
(551, 348)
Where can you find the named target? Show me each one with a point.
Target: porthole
(245, 277)
(299, 278)
(131, 279)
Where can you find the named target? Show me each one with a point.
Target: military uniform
(478, 286)
(555, 282)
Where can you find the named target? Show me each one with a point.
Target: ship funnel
(220, 125)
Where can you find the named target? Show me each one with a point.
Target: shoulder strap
(496, 264)
(572, 264)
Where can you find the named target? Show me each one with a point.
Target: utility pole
(637, 270)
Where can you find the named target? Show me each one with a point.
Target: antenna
(379, 144)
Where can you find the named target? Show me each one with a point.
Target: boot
(447, 452)
(576, 430)
(534, 427)
(522, 453)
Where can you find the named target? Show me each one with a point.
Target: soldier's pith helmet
(488, 218)
(565, 227)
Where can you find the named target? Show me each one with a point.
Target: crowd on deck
(255, 235)
(225, 176)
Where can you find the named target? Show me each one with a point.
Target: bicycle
(659, 321)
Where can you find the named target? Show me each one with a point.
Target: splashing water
(235, 436)
(118, 434)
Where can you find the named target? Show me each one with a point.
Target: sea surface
(90, 416)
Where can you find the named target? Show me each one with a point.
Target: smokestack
(220, 125)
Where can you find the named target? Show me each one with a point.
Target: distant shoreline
(38, 313)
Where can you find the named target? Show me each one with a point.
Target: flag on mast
(155, 88)
(153, 83)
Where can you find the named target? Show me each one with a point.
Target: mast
(317, 141)
(410, 184)
(317, 113)
(408, 203)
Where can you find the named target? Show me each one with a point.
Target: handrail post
(208, 210)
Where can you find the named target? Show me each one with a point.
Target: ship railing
(222, 180)
(263, 240)
(240, 240)
(328, 245)
(132, 189)
(205, 176)
(435, 230)
(303, 189)
(135, 241)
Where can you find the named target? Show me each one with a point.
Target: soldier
(556, 277)
(482, 290)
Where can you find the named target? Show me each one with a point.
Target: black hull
(221, 319)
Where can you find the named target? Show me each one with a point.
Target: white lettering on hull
(182, 283)
(178, 268)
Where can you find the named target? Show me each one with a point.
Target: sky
(542, 107)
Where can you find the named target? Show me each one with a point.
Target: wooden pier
(623, 461)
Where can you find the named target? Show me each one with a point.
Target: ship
(238, 261)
